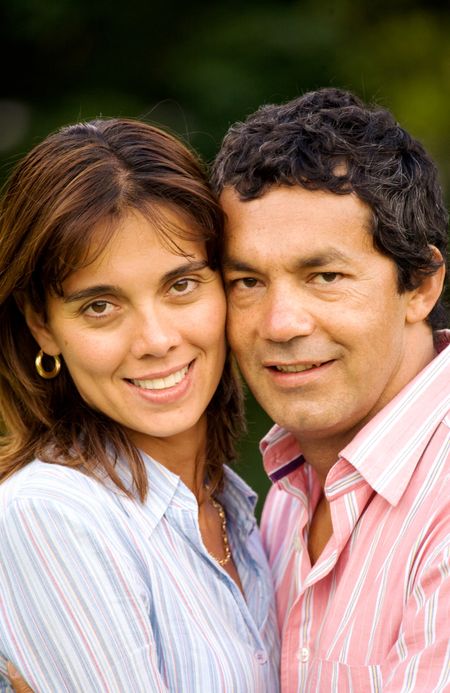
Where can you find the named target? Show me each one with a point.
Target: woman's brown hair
(51, 207)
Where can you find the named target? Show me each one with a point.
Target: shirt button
(260, 656)
(303, 654)
(297, 543)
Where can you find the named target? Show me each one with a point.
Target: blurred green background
(196, 67)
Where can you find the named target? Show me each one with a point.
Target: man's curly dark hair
(330, 140)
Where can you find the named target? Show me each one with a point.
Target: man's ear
(426, 295)
(40, 330)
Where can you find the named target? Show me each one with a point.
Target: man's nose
(285, 315)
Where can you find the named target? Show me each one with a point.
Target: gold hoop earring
(47, 375)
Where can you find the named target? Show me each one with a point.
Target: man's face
(316, 321)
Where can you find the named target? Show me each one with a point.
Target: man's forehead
(325, 220)
(276, 197)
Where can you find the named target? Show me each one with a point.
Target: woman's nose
(155, 334)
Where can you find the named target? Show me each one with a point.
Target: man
(334, 266)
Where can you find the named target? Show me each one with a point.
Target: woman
(129, 555)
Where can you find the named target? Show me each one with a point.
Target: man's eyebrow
(326, 257)
(99, 289)
(230, 263)
(321, 259)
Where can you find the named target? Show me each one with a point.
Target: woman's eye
(98, 308)
(183, 286)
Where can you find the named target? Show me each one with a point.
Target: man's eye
(326, 277)
(245, 282)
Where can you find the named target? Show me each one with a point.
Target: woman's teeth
(162, 383)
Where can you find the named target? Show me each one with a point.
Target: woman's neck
(183, 454)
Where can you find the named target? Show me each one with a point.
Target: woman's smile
(161, 382)
(165, 390)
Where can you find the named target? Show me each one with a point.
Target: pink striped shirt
(372, 614)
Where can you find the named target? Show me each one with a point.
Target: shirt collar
(386, 451)
(239, 500)
(167, 490)
(281, 453)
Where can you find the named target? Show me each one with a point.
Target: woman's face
(141, 331)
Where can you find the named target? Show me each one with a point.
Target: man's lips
(295, 367)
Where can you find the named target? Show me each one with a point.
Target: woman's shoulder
(42, 482)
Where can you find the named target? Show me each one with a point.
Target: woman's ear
(426, 295)
(40, 330)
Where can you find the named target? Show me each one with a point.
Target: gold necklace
(226, 546)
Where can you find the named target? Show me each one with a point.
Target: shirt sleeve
(74, 612)
(420, 660)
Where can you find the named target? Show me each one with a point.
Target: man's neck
(322, 455)
(322, 452)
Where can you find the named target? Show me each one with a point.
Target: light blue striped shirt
(102, 593)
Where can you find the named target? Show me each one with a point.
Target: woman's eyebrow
(185, 268)
(91, 292)
(99, 289)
